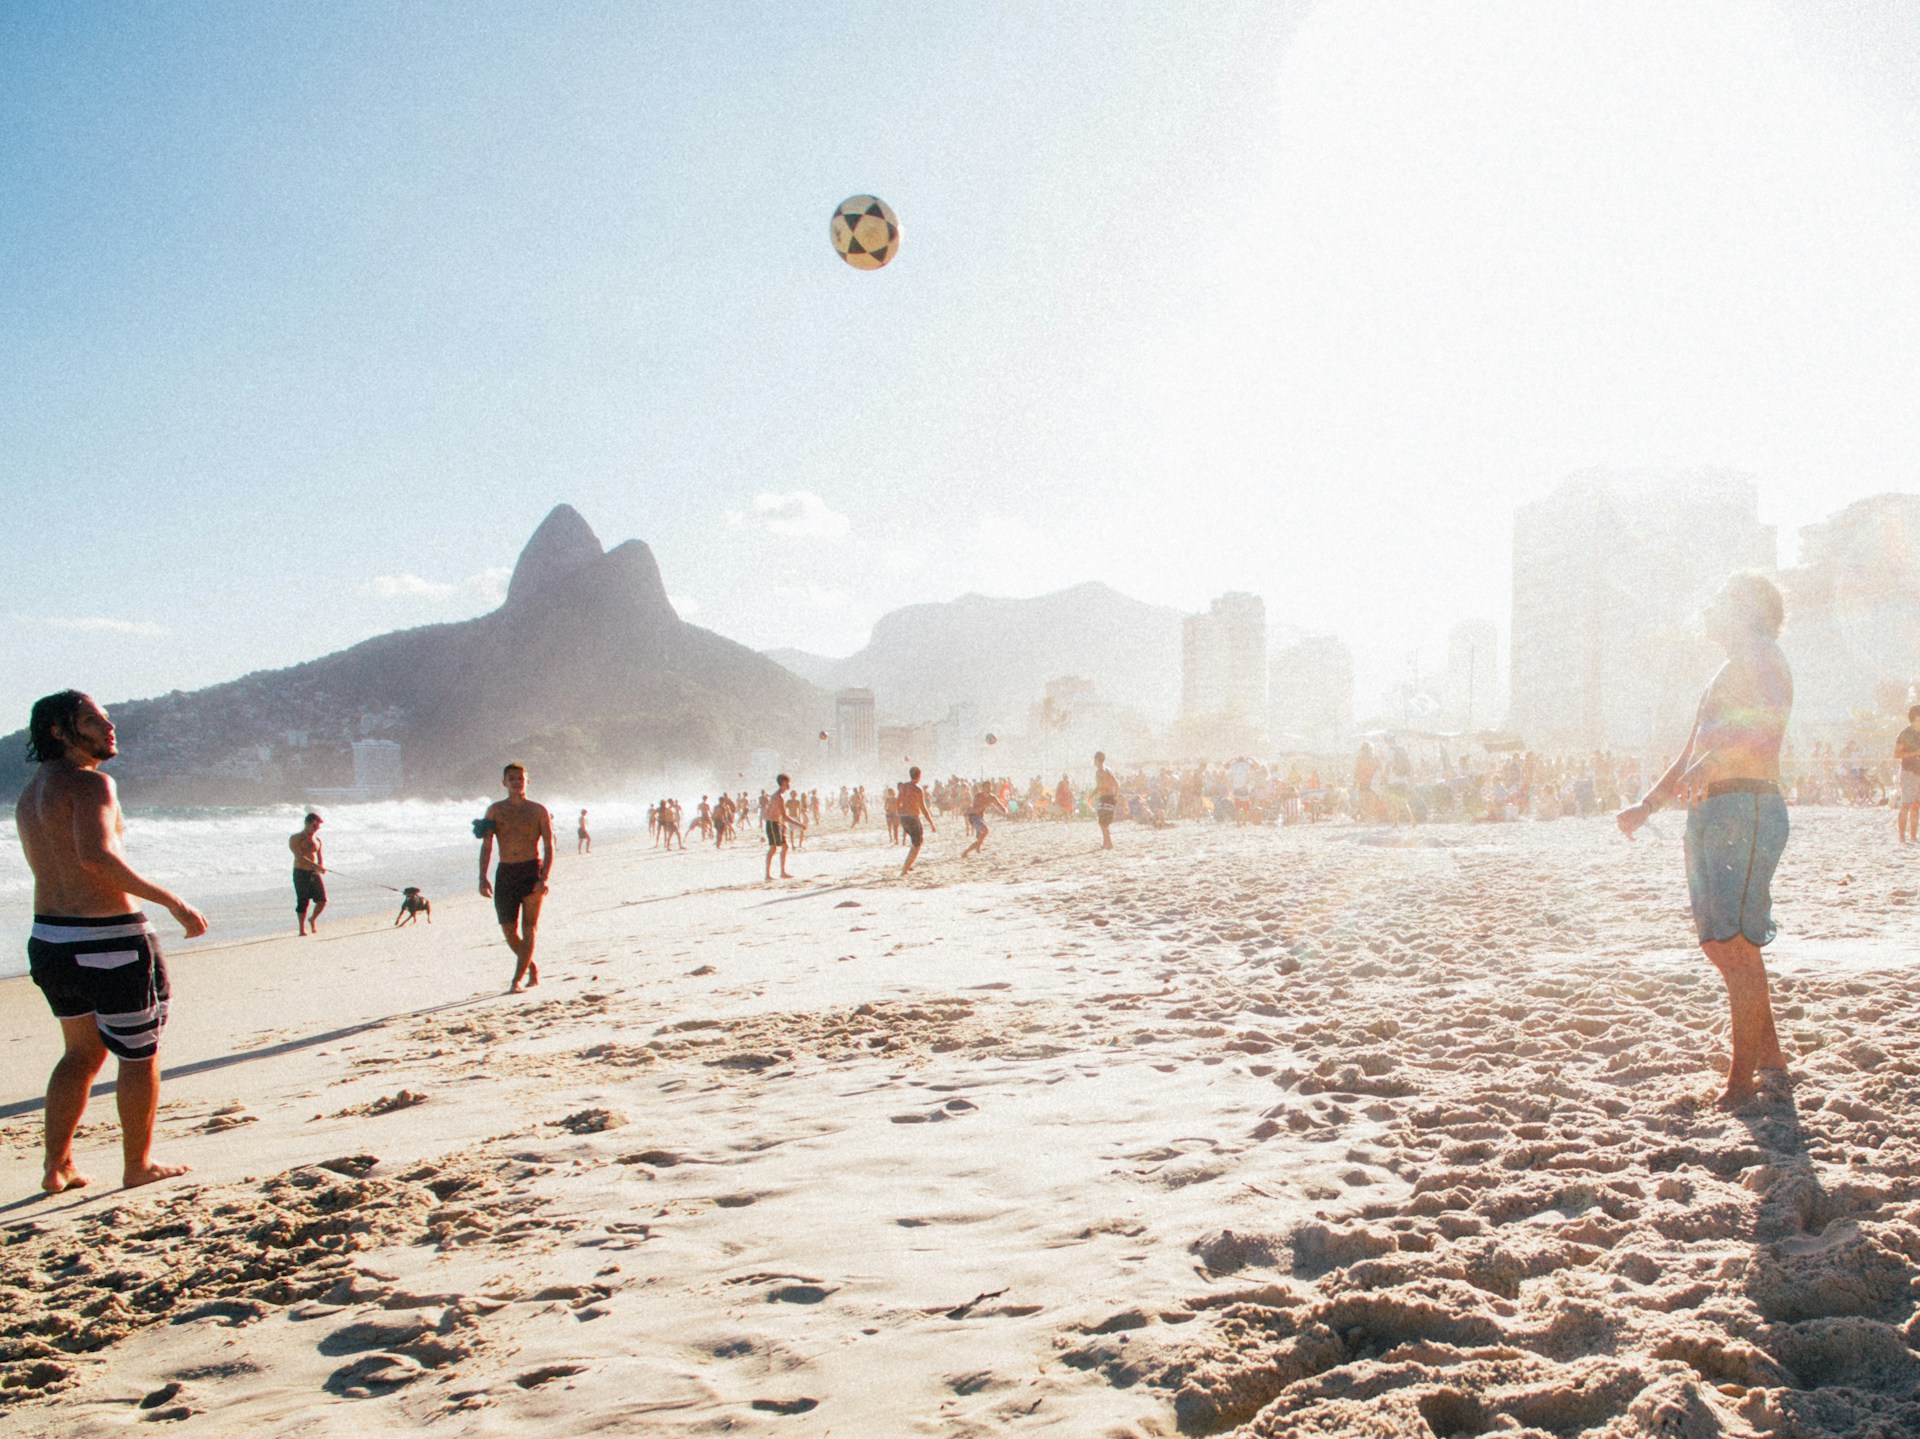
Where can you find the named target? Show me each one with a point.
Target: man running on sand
(91, 950)
(913, 811)
(776, 819)
(1106, 797)
(1906, 749)
(1736, 816)
(309, 867)
(519, 888)
(983, 799)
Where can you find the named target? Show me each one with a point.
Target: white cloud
(684, 606)
(800, 514)
(100, 625)
(817, 597)
(489, 585)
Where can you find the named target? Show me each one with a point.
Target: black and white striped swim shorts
(110, 968)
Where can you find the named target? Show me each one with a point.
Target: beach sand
(1320, 1131)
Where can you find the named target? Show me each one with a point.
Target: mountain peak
(563, 543)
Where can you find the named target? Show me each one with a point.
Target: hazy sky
(309, 313)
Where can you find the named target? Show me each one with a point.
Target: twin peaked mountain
(585, 673)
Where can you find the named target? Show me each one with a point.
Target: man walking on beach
(1736, 815)
(776, 818)
(91, 950)
(583, 842)
(913, 813)
(1906, 749)
(519, 887)
(309, 867)
(1106, 797)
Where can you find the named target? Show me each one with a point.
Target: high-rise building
(1853, 612)
(1609, 576)
(1312, 686)
(376, 767)
(1224, 660)
(1470, 689)
(855, 739)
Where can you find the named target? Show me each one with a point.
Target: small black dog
(413, 904)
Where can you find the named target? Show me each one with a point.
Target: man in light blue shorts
(1736, 815)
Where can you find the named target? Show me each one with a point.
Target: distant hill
(999, 654)
(585, 673)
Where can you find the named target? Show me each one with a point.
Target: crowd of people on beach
(96, 957)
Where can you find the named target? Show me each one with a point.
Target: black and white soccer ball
(866, 232)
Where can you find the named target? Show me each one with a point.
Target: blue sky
(309, 314)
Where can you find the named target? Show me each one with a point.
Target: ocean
(233, 864)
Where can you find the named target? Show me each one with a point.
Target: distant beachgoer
(775, 817)
(670, 823)
(1906, 749)
(1736, 817)
(1063, 798)
(91, 951)
(309, 874)
(723, 821)
(983, 799)
(911, 807)
(1106, 798)
(890, 802)
(584, 844)
(519, 886)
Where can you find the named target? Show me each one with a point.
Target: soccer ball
(865, 232)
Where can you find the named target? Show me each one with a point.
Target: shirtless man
(776, 819)
(890, 802)
(1906, 750)
(1106, 797)
(983, 799)
(912, 808)
(584, 841)
(309, 865)
(91, 951)
(1736, 816)
(519, 886)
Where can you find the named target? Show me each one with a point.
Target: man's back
(57, 803)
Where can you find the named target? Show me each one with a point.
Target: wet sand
(1323, 1131)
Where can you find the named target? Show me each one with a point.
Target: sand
(1320, 1131)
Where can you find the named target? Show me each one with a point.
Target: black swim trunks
(775, 835)
(308, 889)
(513, 886)
(109, 968)
(910, 826)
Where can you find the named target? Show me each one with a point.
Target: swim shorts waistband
(66, 929)
(1741, 786)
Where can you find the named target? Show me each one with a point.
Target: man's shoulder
(86, 784)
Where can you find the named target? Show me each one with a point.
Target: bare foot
(63, 1177)
(533, 974)
(151, 1173)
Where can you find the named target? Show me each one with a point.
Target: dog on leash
(413, 904)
